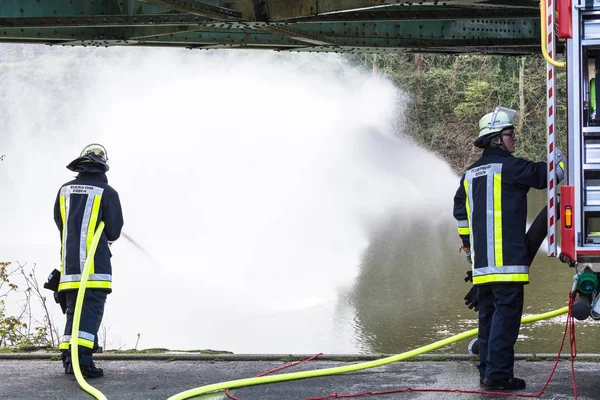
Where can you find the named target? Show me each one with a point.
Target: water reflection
(411, 283)
(409, 292)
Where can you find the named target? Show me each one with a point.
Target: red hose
(569, 327)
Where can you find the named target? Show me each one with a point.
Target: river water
(277, 204)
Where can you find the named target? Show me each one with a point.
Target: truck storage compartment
(592, 151)
(592, 192)
(592, 222)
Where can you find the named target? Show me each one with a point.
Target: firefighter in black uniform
(490, 207)
(80, 206)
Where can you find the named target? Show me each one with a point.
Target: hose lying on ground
(349, 368)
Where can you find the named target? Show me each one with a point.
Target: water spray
(136, 244)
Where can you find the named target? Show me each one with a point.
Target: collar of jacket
(496, 151)
(101, 176)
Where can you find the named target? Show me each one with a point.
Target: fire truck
(578, 199)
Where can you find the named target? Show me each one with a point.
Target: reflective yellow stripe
(466, 185)
(499, 261)
(478, 280)
(63, 216)
(85, 343)
(464, 231)
(81, 342)
(92, 228)
(90, 285)
(561, 165)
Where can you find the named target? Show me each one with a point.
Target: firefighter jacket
(80, 206)
(490, 207)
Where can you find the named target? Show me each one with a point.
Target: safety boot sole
(86, 371)
(504, 384)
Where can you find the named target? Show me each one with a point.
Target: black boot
(91, 371)
(66, 360)
(504, 384)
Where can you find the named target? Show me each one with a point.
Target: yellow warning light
(568, 217)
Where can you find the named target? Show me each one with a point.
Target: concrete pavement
(27, 376)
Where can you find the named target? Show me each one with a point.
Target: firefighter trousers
(500, 311)
(90, 320)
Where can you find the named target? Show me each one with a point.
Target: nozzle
(581, 307)
(474, 346)
(587, 281)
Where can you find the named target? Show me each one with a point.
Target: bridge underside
(509, 27)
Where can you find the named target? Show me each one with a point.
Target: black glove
(61, 298)
(471, 299)
(469, 277)
(53, 281)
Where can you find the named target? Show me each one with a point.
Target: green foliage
(450, 93)
(15, 332)
(10, 327)
(475, 94)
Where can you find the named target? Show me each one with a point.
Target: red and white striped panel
(550, 127)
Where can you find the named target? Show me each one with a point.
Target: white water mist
(251, 179)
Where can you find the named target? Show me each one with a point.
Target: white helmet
(96, 149)
(492, 124)
(92, 153)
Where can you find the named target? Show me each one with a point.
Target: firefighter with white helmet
(93, 153)
(491, 126)
(490, 207)
(81, 204)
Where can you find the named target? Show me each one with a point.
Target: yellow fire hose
(264, 379)
(77, 315)
(543, 38)
(350, 368)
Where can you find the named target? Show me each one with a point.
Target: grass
(26, 349)
(345, 359)
(162, 350)
(29, 349)
(428, 358)
(6, 350)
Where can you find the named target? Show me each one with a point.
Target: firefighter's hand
(61, 299)
(469, 277)
(471, 299)
(559, 160)
(467, 251)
